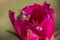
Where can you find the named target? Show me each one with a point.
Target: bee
(23, 16)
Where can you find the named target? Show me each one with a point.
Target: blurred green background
(17, 5)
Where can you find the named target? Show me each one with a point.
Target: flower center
(38, 14)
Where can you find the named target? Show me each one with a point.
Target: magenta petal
(48, 25)
(49, 10)
(50, 28)
(52, 14)
(11, 16)
(27, 10)
(14, 23)
(46, 5)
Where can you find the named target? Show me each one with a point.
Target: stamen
(23, 16)
(37, 22)
(39, 28)
(33, 21)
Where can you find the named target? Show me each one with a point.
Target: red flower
(35, 22)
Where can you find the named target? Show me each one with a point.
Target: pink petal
(31, 35)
